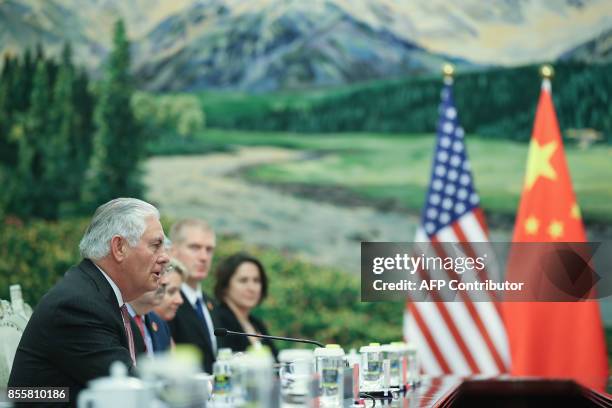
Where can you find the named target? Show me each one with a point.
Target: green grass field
(382, 166)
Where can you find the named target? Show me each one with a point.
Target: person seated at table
(82, 325)
(153, 334)
(173, 278)
(241, 284)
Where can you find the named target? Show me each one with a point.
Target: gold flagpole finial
(448, 70)
(547, 71)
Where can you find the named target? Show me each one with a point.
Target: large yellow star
(555, 229)
(538, 162)
(531, 225)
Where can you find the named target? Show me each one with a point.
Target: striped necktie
(128, 330)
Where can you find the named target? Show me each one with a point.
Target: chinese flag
(555, 339)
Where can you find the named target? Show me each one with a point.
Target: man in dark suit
(153, 333)
(160, 332)
(81, 325)
(193, 244)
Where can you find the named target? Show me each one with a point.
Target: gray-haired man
(82, 325)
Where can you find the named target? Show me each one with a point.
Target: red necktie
(140, 324)
(128, 329)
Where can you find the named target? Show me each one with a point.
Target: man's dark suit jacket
(73, 336)
(159, 330)
(228, 320)
(186, 327)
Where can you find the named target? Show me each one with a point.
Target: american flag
(463, 337)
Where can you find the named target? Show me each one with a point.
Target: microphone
(221, 332)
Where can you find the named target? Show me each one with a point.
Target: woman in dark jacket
(241, 285)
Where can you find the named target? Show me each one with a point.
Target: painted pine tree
(118, 145)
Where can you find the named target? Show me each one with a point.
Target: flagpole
(547, 72)
(448, 70)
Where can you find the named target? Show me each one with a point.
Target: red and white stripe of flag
(462, 337)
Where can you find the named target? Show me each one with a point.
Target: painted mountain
(286, 45)
(261, 45)
(597, 50)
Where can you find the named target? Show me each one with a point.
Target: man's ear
(118, 248)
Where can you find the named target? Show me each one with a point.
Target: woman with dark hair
(241, 284)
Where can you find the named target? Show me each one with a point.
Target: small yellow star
(538, 162)
(531, 225)
(555, 229)
(575, 211)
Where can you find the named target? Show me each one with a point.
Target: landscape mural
(298, 129)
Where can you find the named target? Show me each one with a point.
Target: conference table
(504, 391)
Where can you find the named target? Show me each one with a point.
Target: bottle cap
(186, 353)
(372, 348)
(330, 350)
(289, 355)
(224, 354)
(391, 348)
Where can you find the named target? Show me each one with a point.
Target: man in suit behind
(153, 334)
(82, 325)
(193, 244)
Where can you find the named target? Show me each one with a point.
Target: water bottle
(255, 372)
(414, 365)
(408, 353)
(393, 353)
(371, 367)
(296, 370)
(222, 378)
(329, 362)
